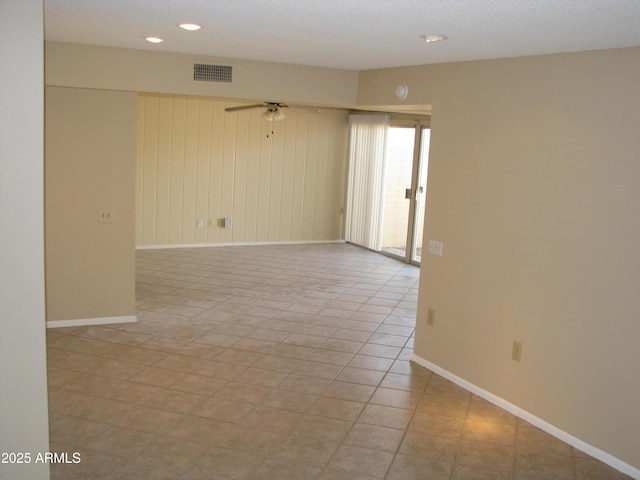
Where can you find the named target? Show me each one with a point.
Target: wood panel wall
(279, 181)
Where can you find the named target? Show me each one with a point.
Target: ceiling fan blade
(305, 110)
(244, 107)
(274, 106)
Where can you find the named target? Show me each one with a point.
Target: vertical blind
(365, 180)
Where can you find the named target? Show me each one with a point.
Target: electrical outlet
(431, 316)
(200, 223)
(516, 351)
(212, 222)
(105, 215)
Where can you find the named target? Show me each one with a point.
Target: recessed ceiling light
(154, 39)
(192, 27)
(434, 38)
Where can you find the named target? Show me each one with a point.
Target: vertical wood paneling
(202, 169)
(275, 199)
(288, 165)
(252, 178)
(149, 170)
(323, 196)
(299, 167)
(176, 189)
(215, 172)
(163, 174)
(311, 165)
(336, 175)
(190, 171)
(277, 181)
(140, 170)
(240, 175)
(264, 182)
(228, 173)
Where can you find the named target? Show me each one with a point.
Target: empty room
(218, 264)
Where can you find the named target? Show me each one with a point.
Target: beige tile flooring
(278, 362)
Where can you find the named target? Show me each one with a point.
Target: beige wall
(280, 181)
(533, 188)
(23, 367)
(89, 165)
(85, 66)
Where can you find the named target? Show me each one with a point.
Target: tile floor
(278, 362)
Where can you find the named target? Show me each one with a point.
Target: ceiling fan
(273, 111)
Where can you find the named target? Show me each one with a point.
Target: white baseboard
(532, 419)
(236, 244)
(83, 322)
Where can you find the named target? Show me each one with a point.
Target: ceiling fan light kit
(273, 114)
(273, 111)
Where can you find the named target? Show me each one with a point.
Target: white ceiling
(349, 34)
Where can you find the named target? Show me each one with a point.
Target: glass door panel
(397, 190)
(421, 195)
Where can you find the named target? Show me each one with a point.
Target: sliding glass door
(405, 187)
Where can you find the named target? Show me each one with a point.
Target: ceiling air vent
(212, 73)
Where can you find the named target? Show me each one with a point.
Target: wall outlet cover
(105, 215)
